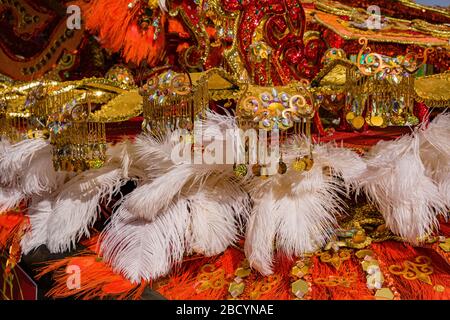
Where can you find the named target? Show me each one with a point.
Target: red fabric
(193, 281)
(396, 253)
(351, 270)
(10, 223)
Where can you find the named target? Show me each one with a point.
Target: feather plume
(122, 155)
(297, 211)
(437, 134)
(39, 213)
(205, 219)
(261, 232)
(435, 153)
(10, 198)
(219, 209)
(154, 153)
(140, 249)
(183, 208)
(76, 206)
(17, 158)
(345, 163)
(39, 176)
(4, 146)
(169, 177)
(147, 200)
(397, 183)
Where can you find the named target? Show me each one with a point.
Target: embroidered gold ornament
(336, 258)
(236, 289)
(420, 269)
(445, 245)
(262, 286)
(210, 278)
(334, 281)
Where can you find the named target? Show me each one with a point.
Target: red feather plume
(117, 27)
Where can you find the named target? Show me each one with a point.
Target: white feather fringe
(39, 212)
(295, 213)
(10, 198)
(205, 220)
(397, 183)
(219, 210)
(344, 162)
(184, 208)
(39, 176)
(435, 153)
(76, 206)
(16, 158)
(146, 250)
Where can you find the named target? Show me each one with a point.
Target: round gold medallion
(377, 121)
(299, 165)
(358, 122)
(350, 116)
(240, 170)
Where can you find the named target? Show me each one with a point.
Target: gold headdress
(171, 100)
(383, 88)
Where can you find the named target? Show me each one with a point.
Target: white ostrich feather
(10, 198)
(218, 210)
(147, 200)
(140, 249)
(294, 213)
(120, 154)
(261, 232)
(444, 188)
(437, 134)
(215, 125)
(39, 213)
(39, 176)
(346, 163)
(435, 153)
(76, 206)
(206, 219)
(153, 153)
(169, 177)
(18, 157)
(4, 146)
(397, 183)
(183, 208)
